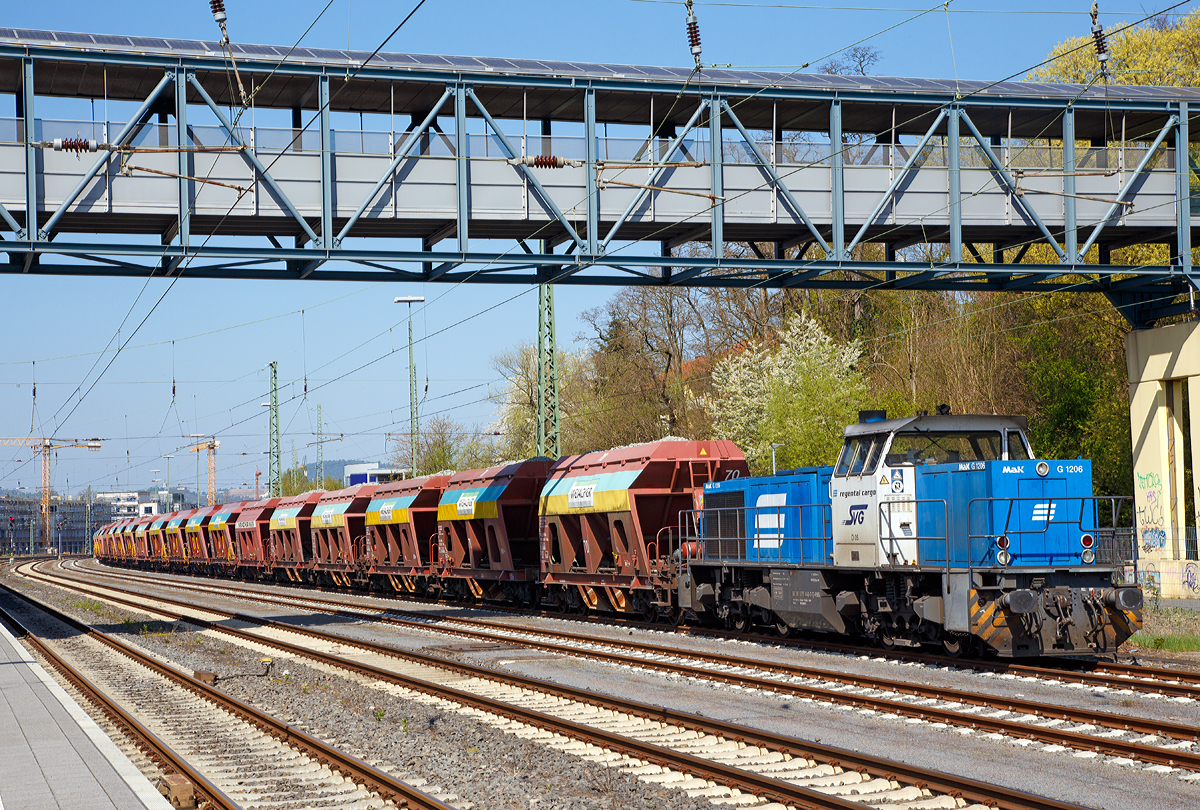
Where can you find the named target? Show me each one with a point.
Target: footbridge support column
(1163, 365)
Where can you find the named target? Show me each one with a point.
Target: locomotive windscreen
(944, 447)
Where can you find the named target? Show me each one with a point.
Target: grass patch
(89, 605)
(1171, 642)
(1169, 621)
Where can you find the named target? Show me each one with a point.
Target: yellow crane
(46, 447)
(211, 444)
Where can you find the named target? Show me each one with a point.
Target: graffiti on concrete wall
(1150, 579)
(1191, 575)
(1150, 516)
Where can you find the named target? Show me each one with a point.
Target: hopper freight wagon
(609, 523)
(402, 528)
(195, 534)
(102, 543)
(222, 547)
(290, 549)
(943, 530)
(488, 533)
(176, 542)
(251, 535)
(339, 535)
(108, 545)
(124, 540)
(128, 540)
(158, 545)
(141, 541)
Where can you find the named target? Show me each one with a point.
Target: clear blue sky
(62, 323)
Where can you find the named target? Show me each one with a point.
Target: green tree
(294, 481)
(800, 392)
(445, 444)
(1074, 352)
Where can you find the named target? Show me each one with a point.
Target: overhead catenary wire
(1181, 4)
(188, 260)
(873, 9)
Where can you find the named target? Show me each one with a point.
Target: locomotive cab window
(860, 455)
(1017, 449)
(944, 447)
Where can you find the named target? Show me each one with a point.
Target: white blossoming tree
(799, 392)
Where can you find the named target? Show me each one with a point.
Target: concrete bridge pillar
(1162, 363)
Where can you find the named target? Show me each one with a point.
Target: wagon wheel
(649, 611)
(782, 629)
(739, 623)
(886, 640)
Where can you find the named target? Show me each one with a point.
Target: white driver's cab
(873, 487)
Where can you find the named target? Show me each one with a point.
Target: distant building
(370, 473)
(72, 524)
(129, 504)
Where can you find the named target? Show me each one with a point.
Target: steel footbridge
(523, 171)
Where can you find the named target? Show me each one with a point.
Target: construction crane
(211, 446)
(46, 447)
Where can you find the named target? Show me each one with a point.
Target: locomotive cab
(874, 486)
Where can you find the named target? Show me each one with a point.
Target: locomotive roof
(967, 421)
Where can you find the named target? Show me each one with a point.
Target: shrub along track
(1154, 742)
(699, 754)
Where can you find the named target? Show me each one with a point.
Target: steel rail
(1138, 678)
(385, 784)
(971, 790)
(764, 786)
(1043, 711)
(145, 739)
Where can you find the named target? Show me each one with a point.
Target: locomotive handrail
(1115, 503)
(916, 538)
(691, 527)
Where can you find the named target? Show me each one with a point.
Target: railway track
(231, 753)
(703, 756)
(1154, 742)
(1087, 672)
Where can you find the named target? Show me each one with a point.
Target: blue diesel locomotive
(929, 530)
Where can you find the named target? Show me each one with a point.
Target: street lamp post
(773, 446)
(412, 380)
(168, 458)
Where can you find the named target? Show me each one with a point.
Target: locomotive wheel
(956, 645)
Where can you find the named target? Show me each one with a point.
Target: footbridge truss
(523, 171)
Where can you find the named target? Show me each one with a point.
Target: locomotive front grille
(724, 525)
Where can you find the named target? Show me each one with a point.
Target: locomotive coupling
(1021, 601)
(1124, 598)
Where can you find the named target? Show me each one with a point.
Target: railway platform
(53, 756)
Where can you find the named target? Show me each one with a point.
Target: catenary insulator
(218, 10)
(693, 33)
(545, 162)
(74, 145)
(1098, 38)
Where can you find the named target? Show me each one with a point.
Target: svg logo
(857, 513)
